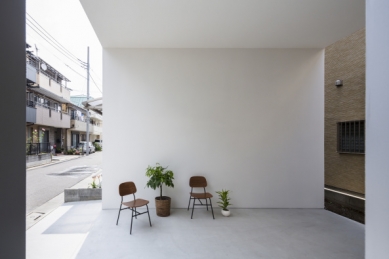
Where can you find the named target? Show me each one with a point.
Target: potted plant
(224, 202)
(158, 176)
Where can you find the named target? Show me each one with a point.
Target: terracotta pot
(162, 206)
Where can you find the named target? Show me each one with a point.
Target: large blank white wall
(249, 120)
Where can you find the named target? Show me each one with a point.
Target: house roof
(223, 23)
(78, 99)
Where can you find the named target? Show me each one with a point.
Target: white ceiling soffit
(223, 23)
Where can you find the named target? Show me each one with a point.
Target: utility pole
(87, 110)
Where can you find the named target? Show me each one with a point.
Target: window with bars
(351, 137)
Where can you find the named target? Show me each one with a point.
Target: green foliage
(224, 199)
(95, 185)
(97, 147)
(158, 177)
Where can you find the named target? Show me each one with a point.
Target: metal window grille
(351, 137)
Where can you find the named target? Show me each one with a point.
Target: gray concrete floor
(82, 230)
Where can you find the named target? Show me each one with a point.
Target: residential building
(77, 130)
(345, 66)
(47, 100)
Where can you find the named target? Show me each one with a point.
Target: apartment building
(47, 100)
(78, 122)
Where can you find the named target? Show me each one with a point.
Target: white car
(83, 146)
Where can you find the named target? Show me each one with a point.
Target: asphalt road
(45, 183)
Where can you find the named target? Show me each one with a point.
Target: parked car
(99, 141)
(83, 146)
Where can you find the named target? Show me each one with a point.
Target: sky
(67, 23)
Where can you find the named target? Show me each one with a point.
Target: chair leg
(211, 208)
(117, 221)
(194, 201)
(132, 216)
(189, 201)
(206, 201)
(135, 214)
(149, 214)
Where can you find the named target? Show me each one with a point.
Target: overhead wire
(61, 49)
(50, 37)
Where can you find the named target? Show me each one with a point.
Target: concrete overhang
(49, 94)
(223, 23)
(95, 105)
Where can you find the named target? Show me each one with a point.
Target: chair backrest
(127, 188)
(197, 181)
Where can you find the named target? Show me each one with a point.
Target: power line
(96, 75)
(95, 83)
(53, 39)
(75, 71)
(71, 59)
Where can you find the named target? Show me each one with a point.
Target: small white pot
(226, 213)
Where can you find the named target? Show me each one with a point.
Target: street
(44, 183)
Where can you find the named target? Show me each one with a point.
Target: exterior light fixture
(339, 82)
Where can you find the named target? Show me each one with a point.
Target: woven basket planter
(162, 206)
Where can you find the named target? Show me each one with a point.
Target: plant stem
(160, 187)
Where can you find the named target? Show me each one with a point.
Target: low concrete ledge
(82, 194)
(35, 160)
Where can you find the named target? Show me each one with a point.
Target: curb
(52, 163)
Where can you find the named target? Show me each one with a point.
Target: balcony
(30, 114)
(49, 117)
(79, 124)
(54, 87)
(31, 74)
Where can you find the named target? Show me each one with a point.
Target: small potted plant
(224, 202)
(158, 177)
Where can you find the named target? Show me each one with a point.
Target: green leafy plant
(97, 147)
(158, 177)
(95, 185)
(224, 199)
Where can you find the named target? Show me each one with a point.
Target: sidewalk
(56, 160)
(42, 211)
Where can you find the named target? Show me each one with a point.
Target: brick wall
(344, 60)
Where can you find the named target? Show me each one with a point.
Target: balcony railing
(83, 119)
(31, 103)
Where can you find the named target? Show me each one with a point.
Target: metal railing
(32, 103)
(83, 119)
(37, 148)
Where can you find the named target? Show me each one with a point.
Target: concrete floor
(82, 230)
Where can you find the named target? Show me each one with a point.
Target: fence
(37, 148)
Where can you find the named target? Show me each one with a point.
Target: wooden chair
(199, 182)
(128, 188)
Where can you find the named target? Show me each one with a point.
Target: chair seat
(136, 203)
(201, 195)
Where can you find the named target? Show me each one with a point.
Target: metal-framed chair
(199, 182)
(128, 188)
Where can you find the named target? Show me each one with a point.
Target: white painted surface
(248, 120)
(223, 23)
(82, 230)
(377, 128)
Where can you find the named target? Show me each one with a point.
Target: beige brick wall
(344, 60)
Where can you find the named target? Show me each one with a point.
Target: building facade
(53, 121)
(345, 116)
(47, 100)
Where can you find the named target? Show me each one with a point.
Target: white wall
(377, 128)
(249, 120)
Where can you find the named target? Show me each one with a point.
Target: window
(351, 137)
